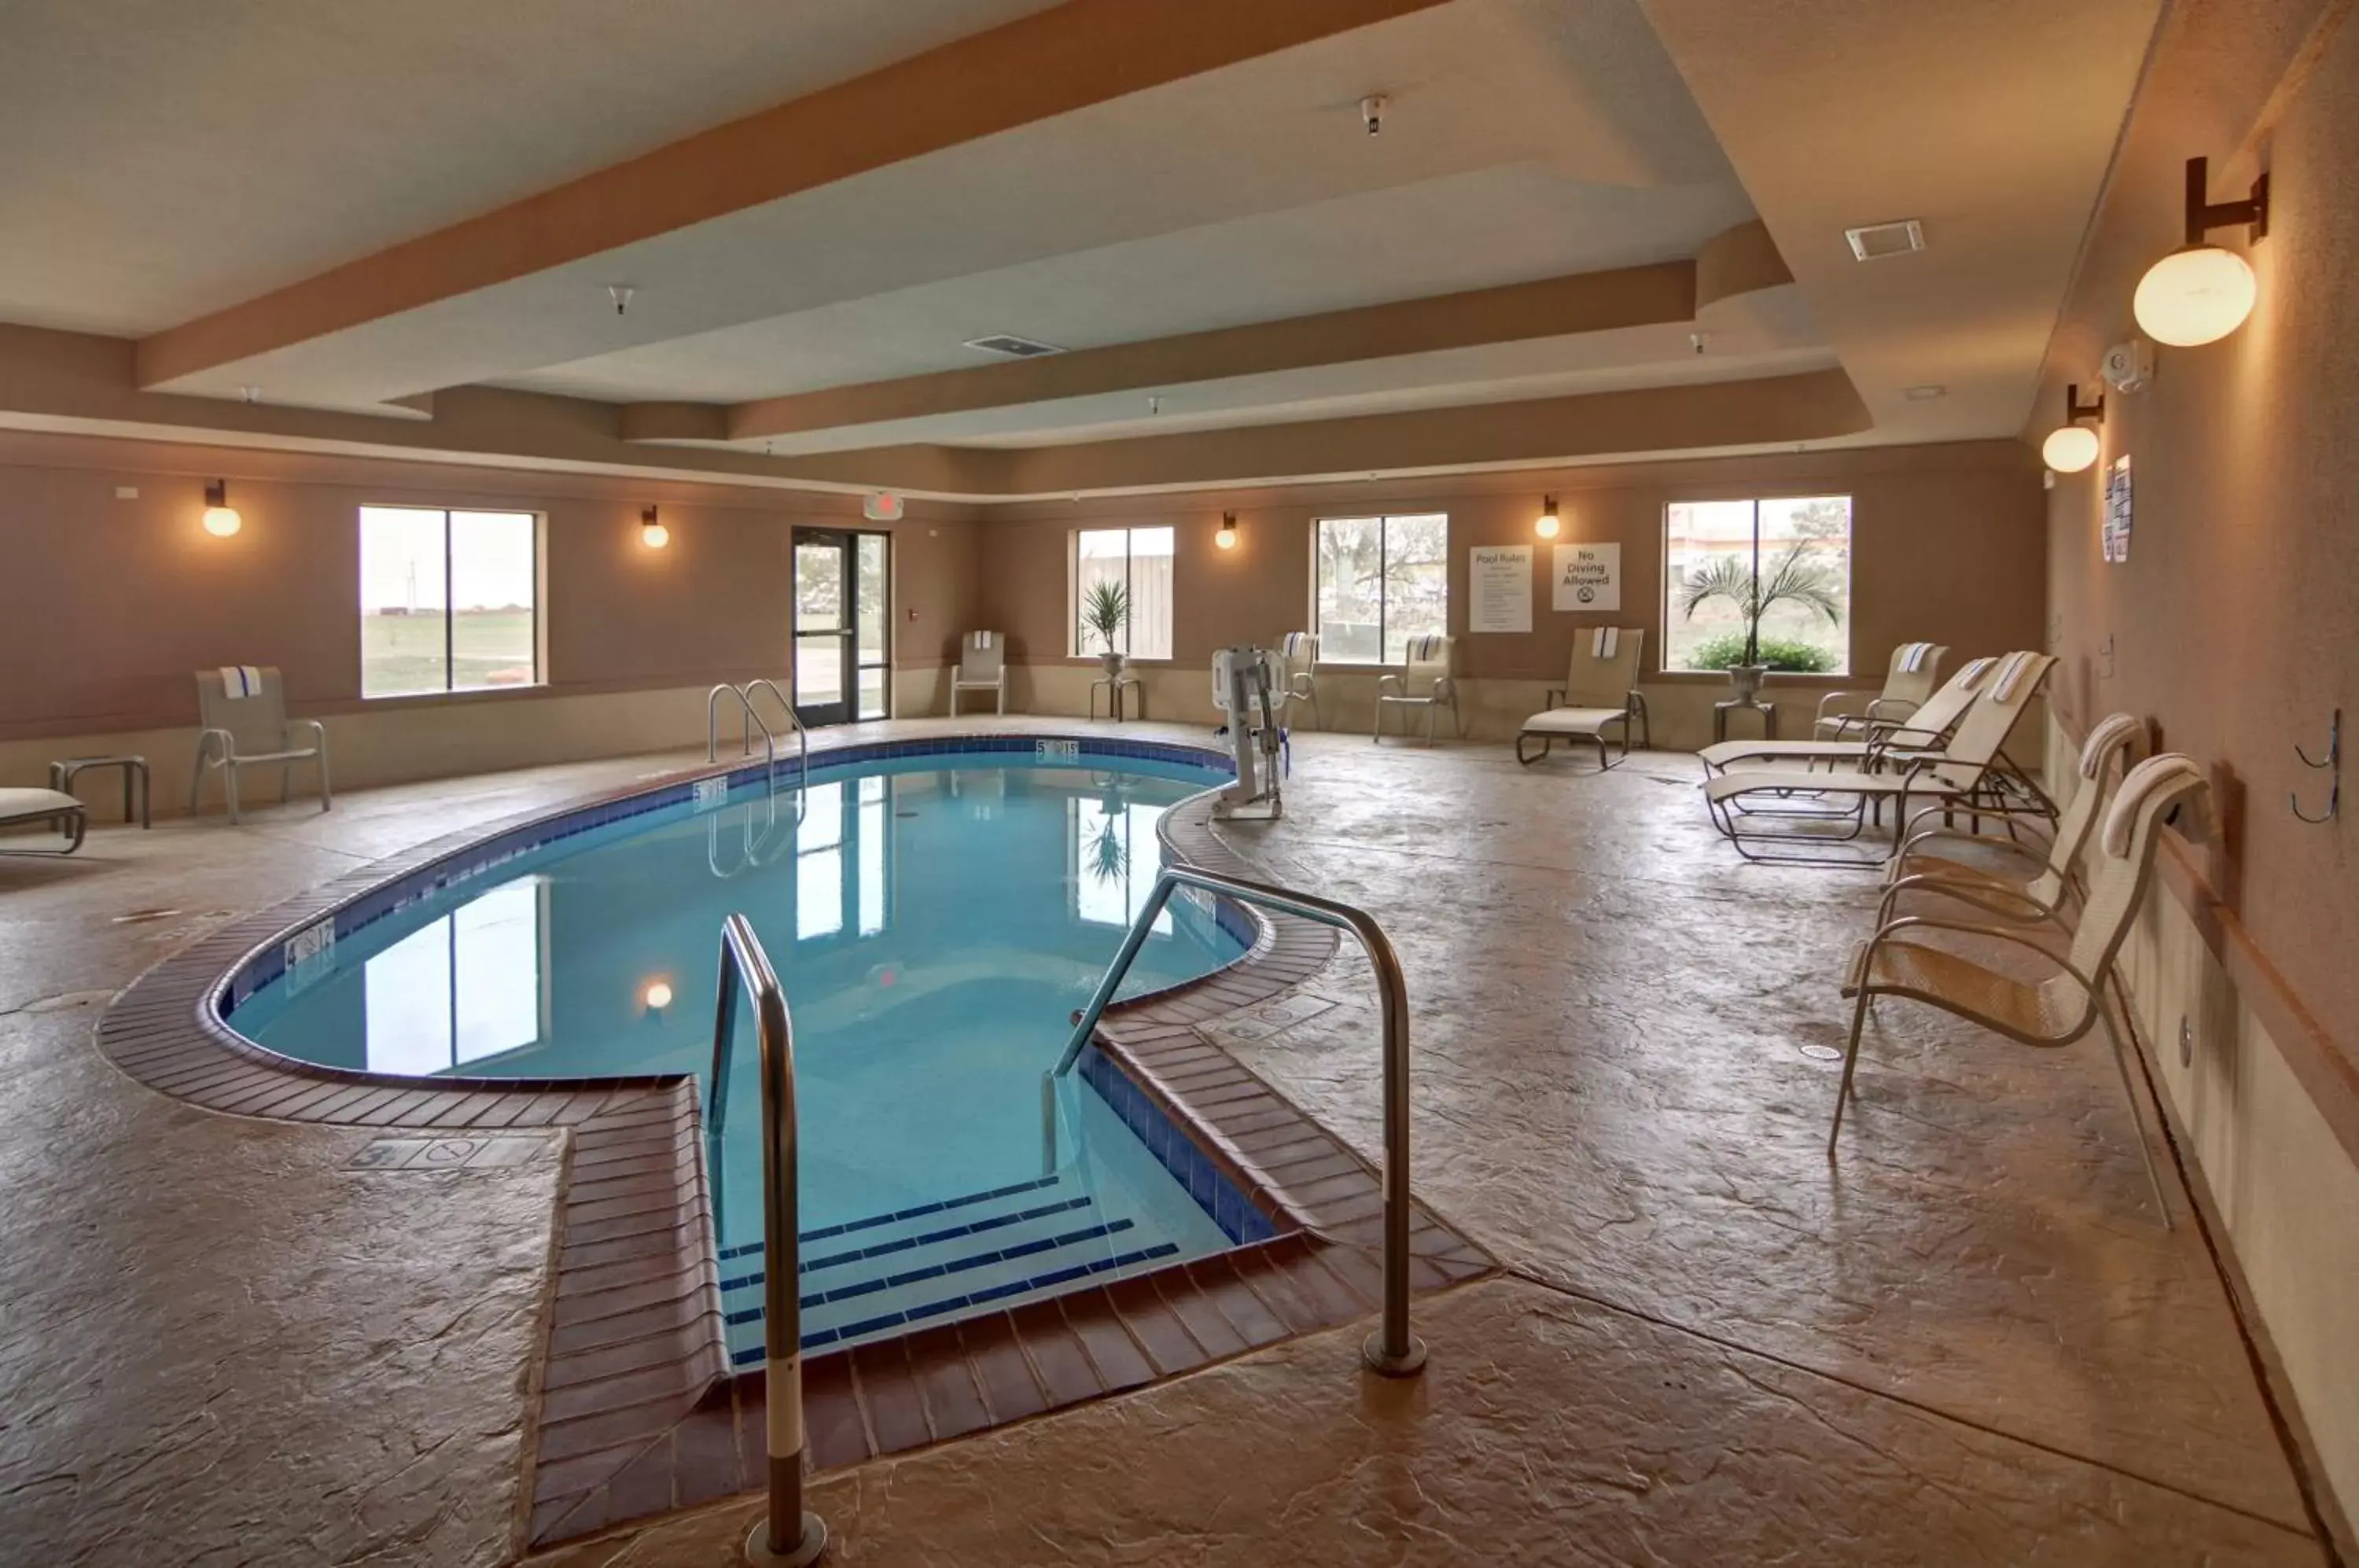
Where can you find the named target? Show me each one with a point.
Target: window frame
(1384, 586)
(448, 692)
(1851, 533)
(1129, 556)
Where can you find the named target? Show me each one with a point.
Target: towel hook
(2333, 760)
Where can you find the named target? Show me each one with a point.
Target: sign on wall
(1589, 577)
(2115, 536)
(1501, 581)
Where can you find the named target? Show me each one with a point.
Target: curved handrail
(1392, 1349)
(713, 725)
(801, 735)
(744, 968)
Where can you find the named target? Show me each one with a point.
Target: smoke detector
(1876, 241)
(1013, 346)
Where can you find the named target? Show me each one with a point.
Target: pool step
(874, 1277)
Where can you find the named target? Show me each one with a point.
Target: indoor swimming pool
(935, 920)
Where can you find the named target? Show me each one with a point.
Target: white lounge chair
(1923, 729)
(24, 808)
(982, 667)
(1915, 672)
(1773, 814)
(1424, 682)
(243, 711)
(1600, 692)
(2071, 1001)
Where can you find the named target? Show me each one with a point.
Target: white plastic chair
(982, 667)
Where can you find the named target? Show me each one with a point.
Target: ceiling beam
(1054, 62)
(1553, 306)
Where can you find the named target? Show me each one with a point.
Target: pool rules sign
(1589, 577)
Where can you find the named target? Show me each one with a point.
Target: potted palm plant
(1106, 610)
(1791, 579)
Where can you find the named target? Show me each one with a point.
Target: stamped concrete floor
(1968, 1340)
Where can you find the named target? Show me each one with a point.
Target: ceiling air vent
(1013, 346)
(1877, 241)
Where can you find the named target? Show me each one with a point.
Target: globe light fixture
(652, 533)
(1548, 525)
(1227, 538)
(220, 518)
(2200, 293)
(2073, 446)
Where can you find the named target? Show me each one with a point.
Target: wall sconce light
(1227, 538)
(658, 996)
(2072, 446)
(2200, 293)
(652, 533)
(220, 518)
(1548, 525)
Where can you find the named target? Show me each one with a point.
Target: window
(1797, 551)
(1139, 561)
(1380, 582)
(449, 601)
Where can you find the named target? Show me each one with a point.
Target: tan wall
(107, 604)
(2232, 626)
(1948, 546)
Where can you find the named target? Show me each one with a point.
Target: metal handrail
(1392, 1350)
(793, 718)
(712, 726)
(744, 968)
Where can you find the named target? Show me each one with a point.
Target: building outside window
(1378, 582)
(1138, 559)
(449, 600)
(1798, 549)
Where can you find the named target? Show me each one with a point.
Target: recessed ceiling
(177, 158)
(283, 196)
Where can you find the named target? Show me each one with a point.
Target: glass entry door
(842, 620)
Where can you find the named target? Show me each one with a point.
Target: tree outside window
(1380, 582)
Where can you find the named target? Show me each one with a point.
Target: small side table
(1769, 712)
(63, 774)
(1112, 685)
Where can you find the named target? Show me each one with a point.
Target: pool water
(934, 927)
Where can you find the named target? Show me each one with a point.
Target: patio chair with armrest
(1423, 682)
(243, 712)
(1916, 868)
(1914, 675)
(2069, 1002)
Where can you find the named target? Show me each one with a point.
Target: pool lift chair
(1248, 685)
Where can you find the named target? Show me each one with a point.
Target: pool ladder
(1392, 1350)
(788, 1535)
(751, 721)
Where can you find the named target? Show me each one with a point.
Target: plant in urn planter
(1106, 610)
(1790, 579)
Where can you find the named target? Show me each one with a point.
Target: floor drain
(137, 915)
(1823, 1052)
(445, 1153)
